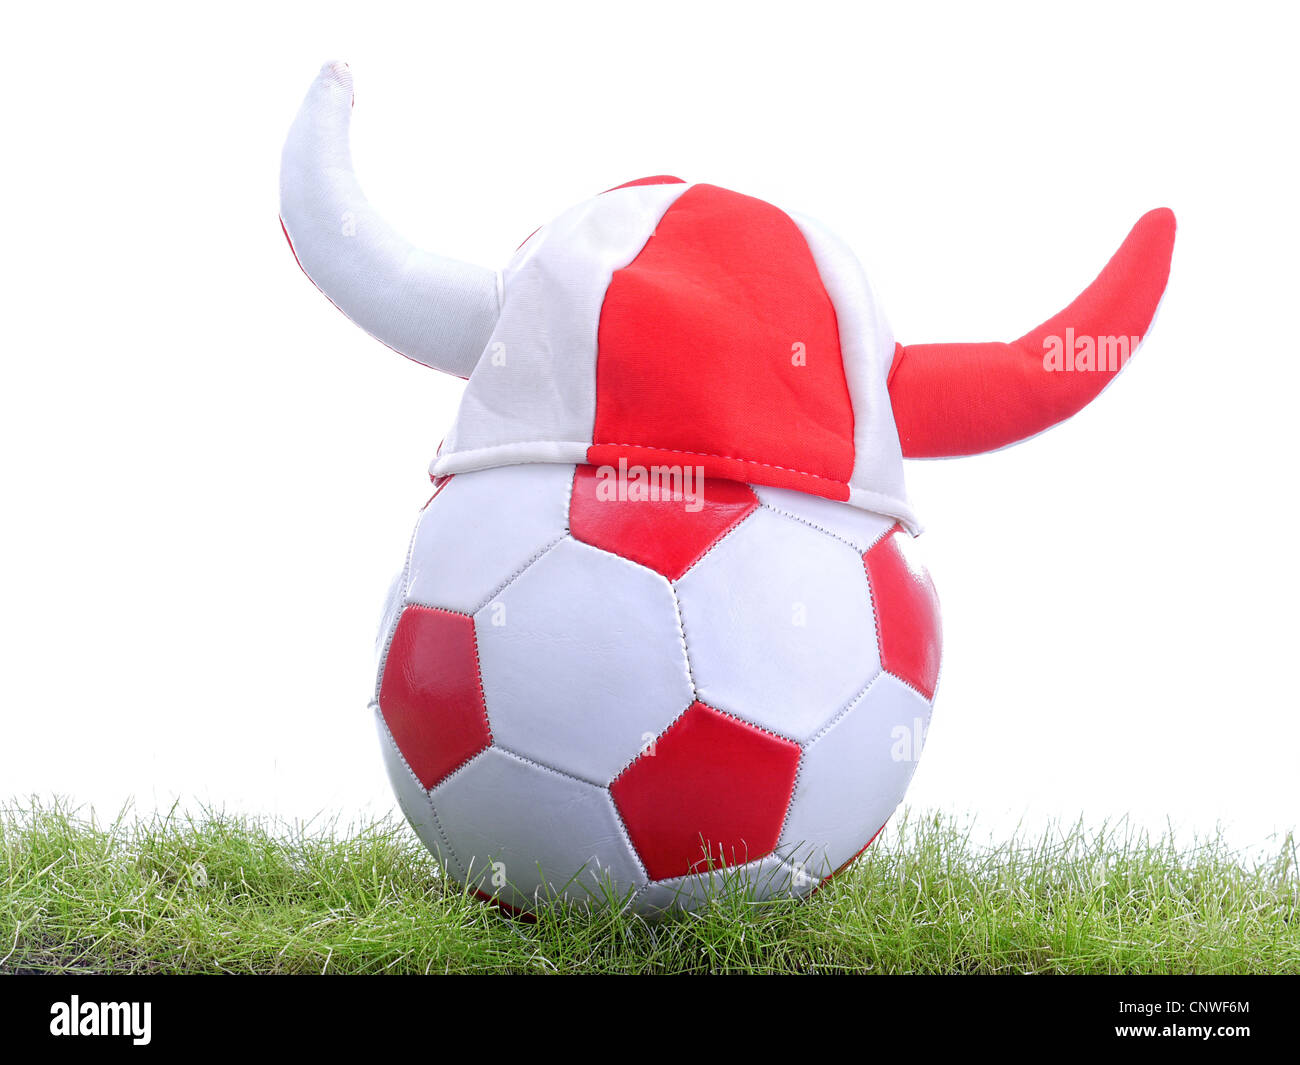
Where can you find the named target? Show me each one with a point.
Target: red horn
(961, 399)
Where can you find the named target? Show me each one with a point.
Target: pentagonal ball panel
(666, 527)
(711, 792)
(430, 695)
(907, 612)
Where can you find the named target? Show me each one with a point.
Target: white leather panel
(778, 625)
(853, 776)
(764, 879)
(482, 529)
(860, 528)
(413, 799)
(536, 830)
(392, 610)
(582, 661)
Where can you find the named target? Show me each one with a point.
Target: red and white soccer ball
(613, 699)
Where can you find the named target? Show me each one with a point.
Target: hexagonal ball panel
(430, 694)
(764, 879)
(413, 798)
(711, 792)
(482, 528)
(582, 661)
(854, 776)
(858, 527)
(520, 830)
(778, 625)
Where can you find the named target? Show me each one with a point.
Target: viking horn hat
(962, 399)
(670, 323)
(434, 310)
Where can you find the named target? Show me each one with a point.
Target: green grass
(229, 894)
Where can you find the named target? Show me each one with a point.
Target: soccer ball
(645, 685)
(651, 698)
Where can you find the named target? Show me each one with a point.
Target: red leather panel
(661, 534)
(710, 781)
(907, 615)
(430, 696)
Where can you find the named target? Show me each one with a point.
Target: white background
(210, 475)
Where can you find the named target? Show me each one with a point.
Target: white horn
(436, 311)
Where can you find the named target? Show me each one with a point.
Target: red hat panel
(718, 345)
